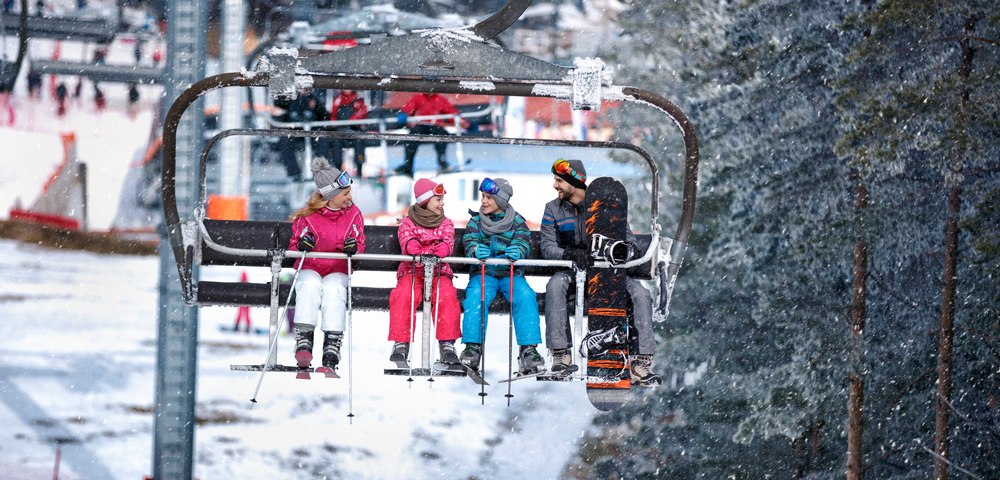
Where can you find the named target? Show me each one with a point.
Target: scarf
(489, 227)
(424, 217)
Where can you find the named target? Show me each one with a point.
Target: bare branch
(967, 419)
(945, 460)
(971, 37)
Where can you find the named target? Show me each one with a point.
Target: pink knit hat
(426, 188)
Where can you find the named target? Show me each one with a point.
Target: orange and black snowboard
(607, 296)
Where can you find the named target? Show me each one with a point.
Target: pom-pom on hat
(328, 179)
(426, 188)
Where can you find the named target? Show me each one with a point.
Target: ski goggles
(438, 190)
(489, 186)
(561, 167)
(344, 180)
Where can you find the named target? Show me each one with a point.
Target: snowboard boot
(448, 355)
(529, 361)
(562, 361)
(331, 348)
(400, 351)
(641, 371)
(304, 344)
(472, 354)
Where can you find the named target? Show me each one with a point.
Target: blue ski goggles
(344, 180)
(489, 186)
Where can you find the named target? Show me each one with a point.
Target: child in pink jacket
(330, 222)
(425, 230)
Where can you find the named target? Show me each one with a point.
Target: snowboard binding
(615, 252)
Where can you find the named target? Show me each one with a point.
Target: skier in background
(243, 312)
(347, 105)
(425, 104)
(564, 237)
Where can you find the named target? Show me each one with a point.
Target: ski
(448, 367)
(544, 375)
(474, 375)
(258, 331)
(300, 372)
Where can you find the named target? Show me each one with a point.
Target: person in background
(242, 312)
(564, 237)
(347, 105)
(498, 231)
(425, 104)
(330, 222)
(305, 108)
(425, 231)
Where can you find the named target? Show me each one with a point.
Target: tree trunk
(949, 282)
(856, 390)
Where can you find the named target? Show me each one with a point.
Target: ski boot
(400, 351)
(562, 362)
(303, 348)
(472, 354)
(448, 355)
(331, 353)
(529, 361)
(304, 344)
(641, 371)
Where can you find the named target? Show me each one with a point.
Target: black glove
(350, 246)
(306, 243)
(579, 256)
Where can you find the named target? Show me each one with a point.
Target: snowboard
(606, 204)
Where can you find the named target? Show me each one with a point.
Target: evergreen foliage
(796, 103)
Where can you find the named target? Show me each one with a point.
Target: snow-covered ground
(77, 365)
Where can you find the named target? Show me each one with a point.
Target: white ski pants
(329, 294)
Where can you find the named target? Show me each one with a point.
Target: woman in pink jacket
(330, 222)
(425, 230)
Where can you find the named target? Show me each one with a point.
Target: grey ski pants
(557, 313)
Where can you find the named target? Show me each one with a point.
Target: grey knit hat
(503, 196)
(326, 178)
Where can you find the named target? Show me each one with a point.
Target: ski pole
(270, 350)
(510, 335)
(482, 331)
(412, 319)
(437, 306)
(350, 345)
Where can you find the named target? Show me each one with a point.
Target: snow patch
(477, 86)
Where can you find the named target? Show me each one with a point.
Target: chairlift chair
(460, 61)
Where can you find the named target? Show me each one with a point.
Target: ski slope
(77, 368)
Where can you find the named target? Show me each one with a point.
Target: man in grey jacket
(564, 238)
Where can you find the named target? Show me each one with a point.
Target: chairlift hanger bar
(433, 61)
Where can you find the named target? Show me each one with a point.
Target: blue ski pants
(527, 327)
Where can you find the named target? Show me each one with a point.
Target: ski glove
(401, 118)
(483, 251)
(513, 253)
(306, 243)
(350, 246)
(579, 256)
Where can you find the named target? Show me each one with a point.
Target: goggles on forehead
(561, 167)
(436, 191)
(489, 186)
(344, 180)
